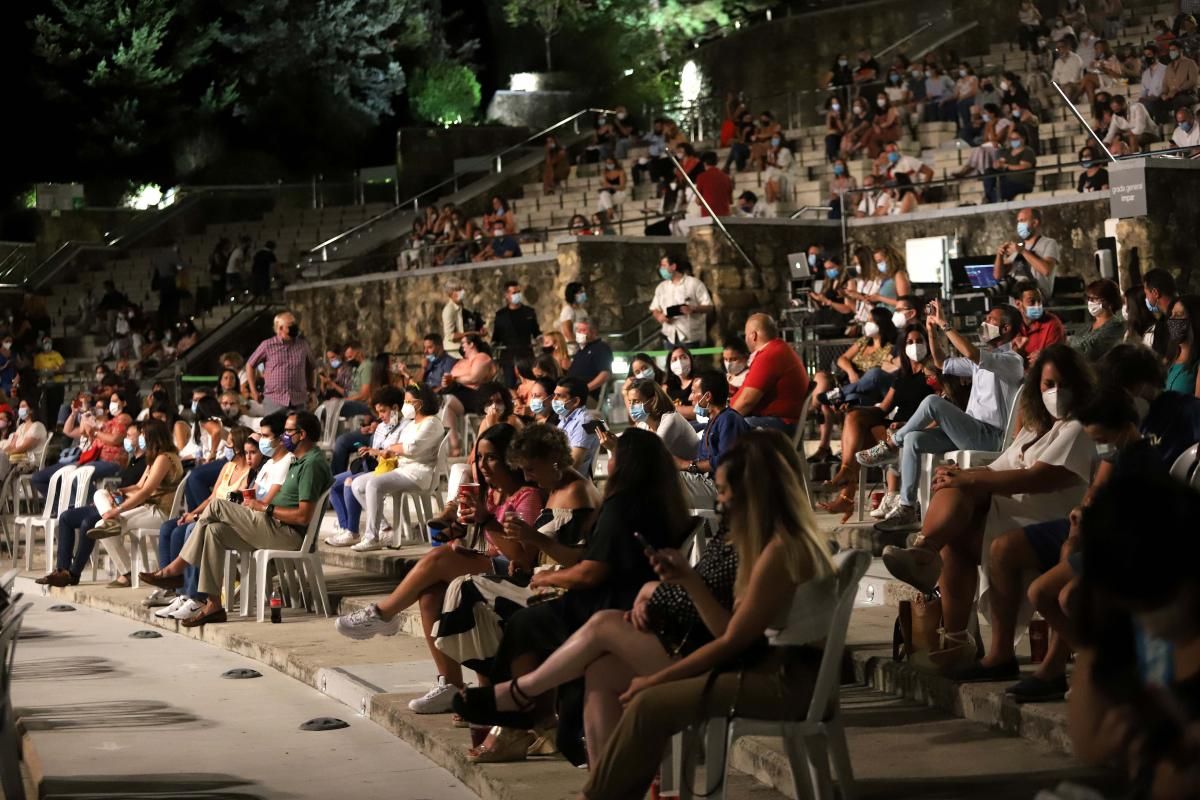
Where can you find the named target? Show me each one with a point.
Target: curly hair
(539, 443)
(1076, 379)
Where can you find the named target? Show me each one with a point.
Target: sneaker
(900, 519)
(188, 609)
(167, 611)
(886, 505)
(343, 539)
(1033, 689)
(367, 622)
(370, 541)
(830, 398)
(882, 453)
(160, 597)
(437, 700)
(916, 566)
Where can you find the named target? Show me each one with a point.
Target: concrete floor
(120, 717)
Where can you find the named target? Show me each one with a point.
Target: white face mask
(681, 367)
(900, 319)
(644, 374)
(1055, 402)
(114, 408)
(493, 409)
(1095, 307)
(916, 351)
(581, 339)
(871, 329)
(735, 367)
(989, 332)
(408, 411)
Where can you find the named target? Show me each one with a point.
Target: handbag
(917, 625)
(386, 465)
(89, 455)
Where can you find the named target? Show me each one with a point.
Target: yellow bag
(386, 464)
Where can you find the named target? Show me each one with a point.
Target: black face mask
(293, 330)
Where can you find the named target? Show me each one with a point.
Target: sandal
(845, 476)
(821, 454)
(478, 705)
(844, 504)
(511, 744)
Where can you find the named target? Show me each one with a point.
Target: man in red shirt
(772, 396)
(1042, 328)
(714, 186)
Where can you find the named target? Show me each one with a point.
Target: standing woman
(555, 167)
(574, 310)
(21, 440)
(780, 552)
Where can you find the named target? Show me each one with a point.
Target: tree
(548, 15)
(445, 93)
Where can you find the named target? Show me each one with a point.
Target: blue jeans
(200, 482)
(956, 431)
(1001, 189)
(41, 478)
(74, 545)
(171, 538)
(345, 446)
(344, 503)
(868, 389)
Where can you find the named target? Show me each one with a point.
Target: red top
(717, 188)
(777, 371)
(1040, 334)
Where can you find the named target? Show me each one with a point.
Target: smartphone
(592, 425)
(641, 540)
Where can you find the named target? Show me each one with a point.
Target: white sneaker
(367, 622)
(886, 505)
(160, 597)
(438, 700)
(342, 539)
(370, 541)
(166, 611)
(187, 610)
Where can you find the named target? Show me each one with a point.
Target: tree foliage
(549, 16)
(445, 93)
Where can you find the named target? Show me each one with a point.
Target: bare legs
(452, 415)
(824, 382)
(1049, 595)
(1011, 556)
(954, 526)
(437, 568)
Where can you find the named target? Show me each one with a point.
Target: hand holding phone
(641, 540)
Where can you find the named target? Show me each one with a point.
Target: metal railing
(799, 212)
(715, 219)
(18, 259)
(323, 249)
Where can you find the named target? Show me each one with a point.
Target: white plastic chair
(705, 529)
(306, 559)
(413, 508)
(139, 536)
(329, 414)
(24, 486)
(1182, 469)
(820, 610)
(57, 498)
(243, 562)
(81, 481)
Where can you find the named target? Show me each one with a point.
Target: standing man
(681, 304)
(714, 186)
(455, 325)
(1033, 258)
(235, 269)
(288, 366)
(592, 363)
(515, 328)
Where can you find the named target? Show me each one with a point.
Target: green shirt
(307, 478)
(360, 377)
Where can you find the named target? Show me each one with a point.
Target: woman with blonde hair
(555, 344)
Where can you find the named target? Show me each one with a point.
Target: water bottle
(276, 607)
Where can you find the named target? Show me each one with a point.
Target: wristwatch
(694, 467)
(270, 511)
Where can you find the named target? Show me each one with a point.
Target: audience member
(288, 364)
(515, 329)
(1029, 26)
(736, 360)
(681, 304)
(1033, 257)
(1018, 158)
(574, 309)
(1183, 328)
(715, 187)
(776, 385)
(1160, 295)
(592, 363)
(1041, 329)
(1180, 80)
(569, 403)
(680, 376)
(1187, 132)
(1106, 331)
(1094, 177)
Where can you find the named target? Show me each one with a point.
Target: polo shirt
(717, 188)
(777, 371)
(719, 436)
(572, 426)
(590, 360)
(994, 380)
(1042, 333)
(308, 476)
(360, 376)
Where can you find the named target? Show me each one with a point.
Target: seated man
(1033, 257)
(995, 372)
(251, 524)
(1041, 329)
(593, 360)
(1015, 165)
(1131, 123)
(776, 385)
(570, 404)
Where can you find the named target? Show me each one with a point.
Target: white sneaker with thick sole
(343, 539)
(166, 611)
(438, 700)
(370, 541)
(889, 502)
(367, 622)
(187, 609)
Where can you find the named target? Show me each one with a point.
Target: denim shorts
(1046, 539)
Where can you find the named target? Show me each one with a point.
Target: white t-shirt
(236, 260)
(907, 165)
(688, 291)
(271, 473)
(421, 441)
(677, 434)
(1181, 138)
(1137, 123)
(572, 315)
(1067, 70)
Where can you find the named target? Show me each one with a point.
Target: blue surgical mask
(227, 453)
(559, 406)
(581, 297)
(881, 266)
(893, 157)
(516, 298)
(1151, 307)
(1187, 126)
(644, 374)
(22, 413)
(430, 357)
(333, 362)
(141, 441)
(537, 405)
(637, 412)
(664, 273)
(776, 141)
(1034, 312)
(266, 448)
(812, 259)
(831, 273)
(701, 414)
(195, 406)
(128, 446)
(1023, 230)
(1014, 144)
(838, 169)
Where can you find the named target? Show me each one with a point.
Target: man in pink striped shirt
(288, 366)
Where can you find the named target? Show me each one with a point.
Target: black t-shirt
(264, 259)
(1172, 424)
(611, 542)
(515, 328)
(1093, 183)
(133, 472)
(592, 359)
(909, 390)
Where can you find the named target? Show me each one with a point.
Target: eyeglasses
(291, 430)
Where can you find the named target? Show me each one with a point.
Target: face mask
(293, 330)
(1033, 312)
(1094, 307)
(581, 339)
(893, 157)
(870, 329)
(1055, 402)
(812, 259)
(1023, 230)
(129, 447)
(537, 405)
(1014, 144)
(1174, 54)
(99, 377)
(735, 367)
(776, 141)
(842, 62)
(1004, 86)
(408, 411)
(8, 344)
(835, 107)
(288, 442)
(881, 103)
(1187, 127)
(664, 273)
(838, 169)
(986, 117)
(195, 405)
(894, 78)
(581, 297)
(516, 298)
(644, 374)
(962, 73)
(1178, 328)
(831, 273)
(430, 357)
(335, 363)
(989, 332)
(1151, 307)
(916, 351)
(701, 413)
(681, 367)
(900, 319)
(22, 413)
(559, 406)
(459, 295)
(881, 266)
(46, 347)
(114, 408)
(141, 441)
(1016, 113)
(928, 74)
(637, 412)
(266, 447)
(228, 453)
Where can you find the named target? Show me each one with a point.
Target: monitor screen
(981, 276)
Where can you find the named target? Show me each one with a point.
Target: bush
(445, 94)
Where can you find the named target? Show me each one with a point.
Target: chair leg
(843, 770)
(249, 582)
(227, 580)
(136, 559)
(804, 779)
(719, 736)
(261, 562)
(317, 578)
(51, 537)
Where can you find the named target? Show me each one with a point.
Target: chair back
(441, 468)
(56, 497)
(42, 452)
(704, 526)
(1010, 424)
(798, 440)
(328, 414)
(1182, 468)
(314, 523)
(83, 482)
(178, 501)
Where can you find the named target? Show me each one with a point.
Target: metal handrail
(414, 201)
(902, 40)
(803, 209)
(716, 220)
(203, 344)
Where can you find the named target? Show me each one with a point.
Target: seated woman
(608, 573)
(679, 381)
(144, 505)
(1040, 477)
(643, 367)
(204, 450)
(1183, 326)
(874, 349)
(234, 478)
(388, 402)
(650, 409)
(545, 367)
(780, 552)
(502, 492)
(914, 381)
(498, 406)
(415, 454)
(102, 430)
(541, 395)
(525, 380)
(22, 438)
(1106, 331)
(990, 143)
